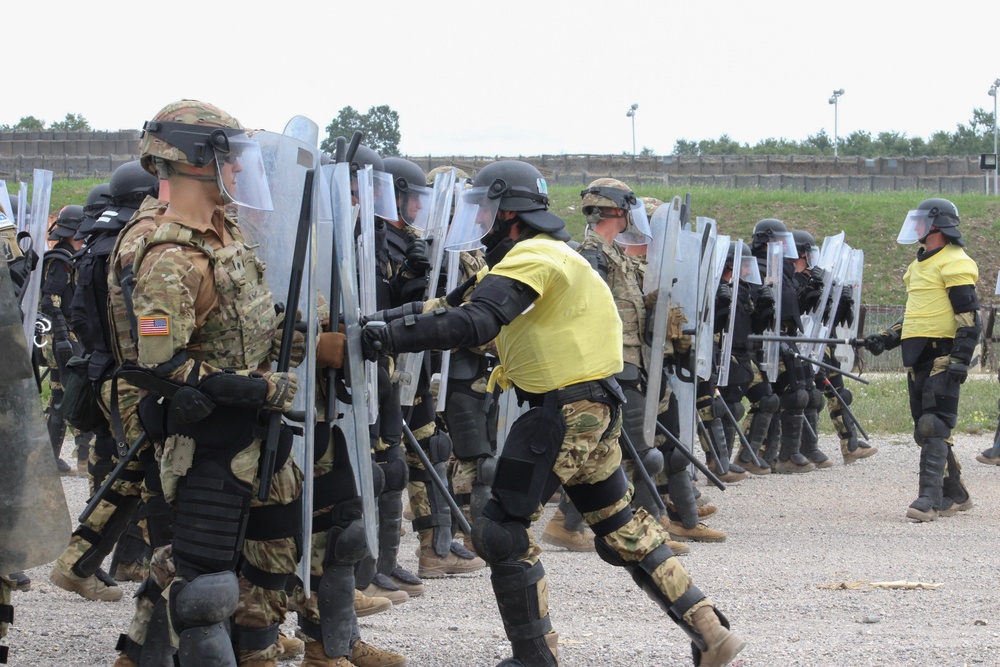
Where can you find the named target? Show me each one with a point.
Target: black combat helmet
(943, 215)
(130, 185)
(67, 223)
(98, 199)
(764, 232)
(521, 188)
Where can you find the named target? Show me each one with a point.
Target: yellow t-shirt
(572, 333)
(928, 310)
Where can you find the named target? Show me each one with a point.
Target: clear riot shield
(41, 193)
(303, 129)
(846, 354)
(726, 343)
(287, 162)
(705, 295)
(354, 423)
(437, 229)
(5, 208)
(773, 279)
(22, 207)
(34, 520)
(665, 226)
(684, 294)
(839, 280)
(812, 322)
(451, 282)
(367, 270)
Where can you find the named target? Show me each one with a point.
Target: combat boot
(315, 657)
(21, 581)
(810, 441)
(790, 459)
(384, 587)
(722, 644)
(98, 586)
(862, 451)
(679, 548)
(366, 606)
(990, 456)
(703, 511)
(291, 647)
(366, 655)
(735, 473)
(557, 535)
(407, 581)
(458, 560)
(124, 661)
(954, 488)
(931, 503)
(268, 662)
(851, 448)
(699, 533)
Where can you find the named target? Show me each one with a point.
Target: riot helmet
(130, 185)
(197, 140)
(385, 195)
(932, 215)
(98, 199)
(805, 247)
(603, 196)
(749, 270)
(770, 230)
(67, 223)
(413, 197)
(651, 204)
(506, 185)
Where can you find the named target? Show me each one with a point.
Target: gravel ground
(788, 535)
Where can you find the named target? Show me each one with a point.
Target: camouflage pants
(462, 475)
(129, 485)
(420, 503)
(589, 454)
(56, 395)
(258, 607)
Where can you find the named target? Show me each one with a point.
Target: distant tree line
(971, 139)
(73, 122)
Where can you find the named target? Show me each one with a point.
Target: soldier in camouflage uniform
(559, 340)
(207, 332)
(59, 345)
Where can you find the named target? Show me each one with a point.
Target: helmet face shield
(385, 196)
(414, 206)
(916, 226)
(749, 270)
(637, 231)
(475, 214)
(786, 239)
(242, 173)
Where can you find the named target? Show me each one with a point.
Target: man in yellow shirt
(937, 335)
(559, 340)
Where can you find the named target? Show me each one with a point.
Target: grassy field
(870, 221)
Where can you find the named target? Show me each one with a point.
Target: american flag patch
(154, 326)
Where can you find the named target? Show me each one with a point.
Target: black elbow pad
(505, 297)
(963, 298)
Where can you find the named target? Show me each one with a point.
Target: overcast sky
(514, 76)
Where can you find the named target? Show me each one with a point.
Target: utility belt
(605, 391)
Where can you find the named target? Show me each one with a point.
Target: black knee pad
(816, 399)
(847, 397)
(794, 400)
(652, 461)
(931, 426)
(439, 447)
(676, 461)
(394, 469)
(738, 410)
(497, 536)
(769, 403)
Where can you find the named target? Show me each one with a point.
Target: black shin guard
(390, 518)
(516, 590)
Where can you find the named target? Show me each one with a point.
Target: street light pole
(631, 114)
(993, 94)
(833, 100)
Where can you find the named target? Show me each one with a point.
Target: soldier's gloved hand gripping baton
(269, 453)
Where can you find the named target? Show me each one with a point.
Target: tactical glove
(845, 309)
(816, 277)
(958, 370)
(298, 346)
(765, 296)
(875, 343)
(281, 388)
(417, 260)
(330, 349)
(375, 341)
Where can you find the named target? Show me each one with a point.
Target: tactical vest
(237, 333)
(625, 283)
(89, 314)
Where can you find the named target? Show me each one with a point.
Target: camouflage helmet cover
(183, 112)
(607, 193)
(651, 204)
(432, 174)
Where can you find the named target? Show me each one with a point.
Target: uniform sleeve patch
(154, 326)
